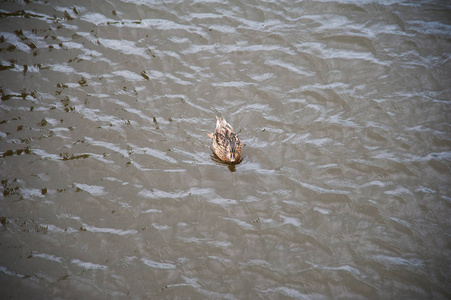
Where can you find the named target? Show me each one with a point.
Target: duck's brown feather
(226, 143)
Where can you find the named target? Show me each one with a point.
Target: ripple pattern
(109, 187)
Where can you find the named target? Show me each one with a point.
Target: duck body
(226, 143)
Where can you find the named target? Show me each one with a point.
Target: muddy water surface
(109, 188)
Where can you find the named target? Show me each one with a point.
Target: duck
(226, 143)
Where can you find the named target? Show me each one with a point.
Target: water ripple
(107, 176)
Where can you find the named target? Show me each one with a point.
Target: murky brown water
(109, 188)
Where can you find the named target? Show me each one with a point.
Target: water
(109, 187)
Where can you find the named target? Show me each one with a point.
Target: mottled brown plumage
(226, 143)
